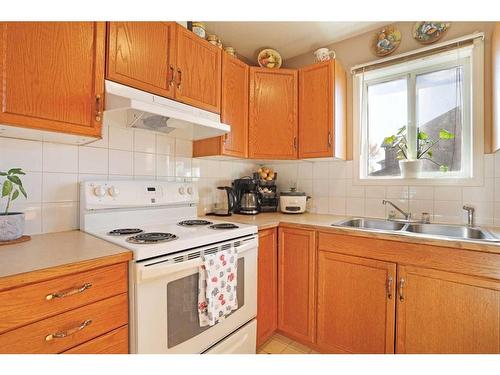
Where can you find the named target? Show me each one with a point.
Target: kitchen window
(428, 108)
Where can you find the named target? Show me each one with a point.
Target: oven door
(166, 301)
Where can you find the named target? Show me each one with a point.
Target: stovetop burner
(124, 231)
(193, 223)
(224, 226)
(152, 238)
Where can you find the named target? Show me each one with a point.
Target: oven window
(182, 306)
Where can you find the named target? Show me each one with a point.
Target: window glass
(439, 118)
(386, 114)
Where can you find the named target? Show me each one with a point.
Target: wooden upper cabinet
(141, 55)
(198, 71)
(443, 312)
(52, 75)
(356, 304)
(273, 114)
(296, 283)
(267, 282)
(234, 112)
(322, 110)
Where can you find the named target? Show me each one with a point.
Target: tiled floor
(279, 344)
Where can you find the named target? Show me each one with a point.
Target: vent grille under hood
(156, 113)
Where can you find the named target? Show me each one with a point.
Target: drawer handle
(171, 79)
(98, 110)
(69, 292)
(401, 289)
(389, 287)
(69, 332)
(179, 82)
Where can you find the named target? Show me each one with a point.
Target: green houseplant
(411, 166)
(11, 223)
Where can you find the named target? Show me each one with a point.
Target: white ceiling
(290, 39)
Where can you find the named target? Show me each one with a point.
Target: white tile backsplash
(55, 170)
(443, 203)
(58, 158)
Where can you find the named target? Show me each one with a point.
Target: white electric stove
(158, 221)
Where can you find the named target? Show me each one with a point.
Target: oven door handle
(145, 273)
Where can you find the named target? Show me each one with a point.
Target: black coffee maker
(248, 200)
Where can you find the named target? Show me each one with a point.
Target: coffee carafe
(247, 196)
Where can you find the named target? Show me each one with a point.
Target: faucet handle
(468, 208)
(426, 218)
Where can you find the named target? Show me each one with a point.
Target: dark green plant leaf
(6, 188)
(445, 134)
(16, 171)
(23, 192)
(3, 174)
(15, 180)
(15, 194)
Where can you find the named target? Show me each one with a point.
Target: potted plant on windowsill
(411, 166)
(12, 223)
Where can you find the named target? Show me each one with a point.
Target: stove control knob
(182, 191)
(99, 191)
(190, 190)
(114, 191)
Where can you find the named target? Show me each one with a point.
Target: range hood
(152, 112)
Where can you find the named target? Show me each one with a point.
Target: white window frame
(473, 124)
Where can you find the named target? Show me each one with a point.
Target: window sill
(429, 181)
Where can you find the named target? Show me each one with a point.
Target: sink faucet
(470, 215)
(407, 215)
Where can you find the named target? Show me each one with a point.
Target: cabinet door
(296, 281)
(234, 112)
(52, 75)
(140, 55)
(322, 114)
(442, 312)
(267, 296)
(198, 73)
(273, 114)
(356, 304)
(316, 99)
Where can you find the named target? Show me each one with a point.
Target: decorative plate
(428, 32)
(269, 58)
(386, 41)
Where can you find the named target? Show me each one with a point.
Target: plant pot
(410, 168)
(11, 226)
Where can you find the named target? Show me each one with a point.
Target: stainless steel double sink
(428, 230)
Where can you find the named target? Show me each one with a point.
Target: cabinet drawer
(30, 303)
(114, 342)
(101, 317)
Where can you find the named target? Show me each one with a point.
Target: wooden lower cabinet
(114, 342)
(443, 312)
(296, 283)
(356, 304)
(70, 312)
(267, 280)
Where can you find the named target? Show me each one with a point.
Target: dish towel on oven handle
(217, 286)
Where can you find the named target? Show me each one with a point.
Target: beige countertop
(324, 222)
(44, 256)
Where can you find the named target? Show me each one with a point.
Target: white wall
(331, 186)
(54, 170)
